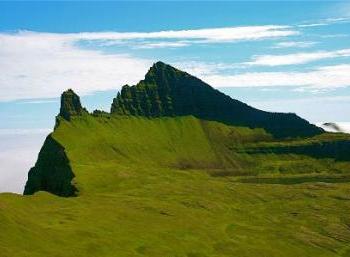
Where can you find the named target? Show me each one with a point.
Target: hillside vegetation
(173, 187)
(183, 143)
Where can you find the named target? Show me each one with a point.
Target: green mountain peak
(167, 91)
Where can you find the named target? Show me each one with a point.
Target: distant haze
(18, 153)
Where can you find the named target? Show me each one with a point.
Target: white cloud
(152, 45)
(36, 65)
(313, 25)
(227, 34)
(39, 101)
(42, 65)
(325, 22)
(296, 44)
(322, 78)
(297, 58)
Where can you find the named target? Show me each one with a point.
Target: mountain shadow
(52, 171)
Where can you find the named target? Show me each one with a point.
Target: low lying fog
(18, 152)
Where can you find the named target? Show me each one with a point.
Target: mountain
(167, 91)
(168, 95)
(127, 184)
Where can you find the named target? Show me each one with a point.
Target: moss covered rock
(70, 105)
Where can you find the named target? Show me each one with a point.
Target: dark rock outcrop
(167, 91)
(70, 105)
(52, 171)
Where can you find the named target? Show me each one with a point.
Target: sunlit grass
(178, 187)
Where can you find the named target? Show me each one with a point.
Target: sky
(284, 56)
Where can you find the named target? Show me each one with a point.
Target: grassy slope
(154, 188)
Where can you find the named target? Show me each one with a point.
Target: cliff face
(167, 91)
(52, 172)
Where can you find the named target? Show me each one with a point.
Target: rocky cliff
(52, 171)
(70, 105)
(167, 91)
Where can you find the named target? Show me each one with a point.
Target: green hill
(183, 143)
(179, 186)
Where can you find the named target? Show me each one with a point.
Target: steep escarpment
(52, 171)
(167, 91)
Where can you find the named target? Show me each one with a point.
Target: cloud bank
(322, 78)
(41, 65)
(297, 58)
(36, 65)
(227, 34)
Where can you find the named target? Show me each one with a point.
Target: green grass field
(182, 187)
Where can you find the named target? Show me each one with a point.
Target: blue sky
(259, 52)
(278, 56)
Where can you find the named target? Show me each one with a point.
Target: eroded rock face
(167, 91)
(70, 105)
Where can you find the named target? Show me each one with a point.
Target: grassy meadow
(183, 187)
